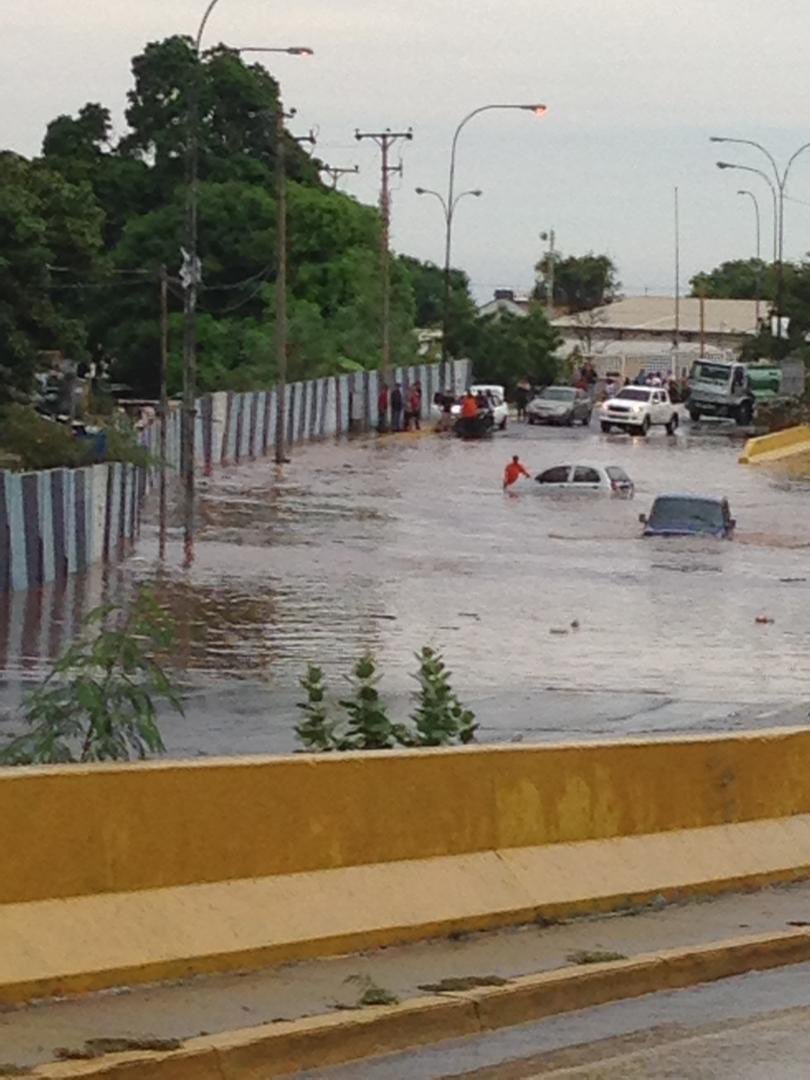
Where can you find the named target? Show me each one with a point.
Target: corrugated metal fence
(62, 521)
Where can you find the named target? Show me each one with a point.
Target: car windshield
(558, 393)
(615, 473)
(715, 373)
(633, 393)
(686, 513)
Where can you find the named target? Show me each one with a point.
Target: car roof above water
(680, 497)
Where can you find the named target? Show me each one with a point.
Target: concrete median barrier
(123, 874)
(776, 446)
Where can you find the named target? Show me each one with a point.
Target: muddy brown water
(390, 544)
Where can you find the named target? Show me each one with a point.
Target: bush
(38, 443)
(98, 702)
(439, 719)
(29, 441)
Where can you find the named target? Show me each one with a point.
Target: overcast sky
(634, 89)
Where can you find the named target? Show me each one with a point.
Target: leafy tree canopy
(509, 347)
(45, 222)
(737, 279)
(581, 282)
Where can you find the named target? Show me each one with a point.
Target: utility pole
(281, 282)
(164, 403)
(336, 171)
(550, 236)
(676, 340)
(385, 140)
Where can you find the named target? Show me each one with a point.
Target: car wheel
(531, 419)
(502, 425)
(586, 420)
(694, 415)
(605, 426)
(673, 424)
(645, 426)
(569, 420)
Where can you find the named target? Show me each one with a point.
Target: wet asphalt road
(390, 544)
(754, 1027)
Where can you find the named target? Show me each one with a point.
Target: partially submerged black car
(688, 515)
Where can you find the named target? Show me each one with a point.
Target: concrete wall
(62, 521)
(238, 863)
(234, 427)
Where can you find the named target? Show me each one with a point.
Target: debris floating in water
(763, 619)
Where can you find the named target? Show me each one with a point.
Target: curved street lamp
(757, 235)
(190, 276)
(450, 204)
(781, 183)
(764, 176)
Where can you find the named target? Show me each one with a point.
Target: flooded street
(555, 617)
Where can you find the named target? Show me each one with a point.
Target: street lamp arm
(476, 192)
(793, 157)
(436, 195)
(757, 146)
(201, 31)
(538, 109)
(774, 194)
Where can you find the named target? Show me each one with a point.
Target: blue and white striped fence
(62, 521)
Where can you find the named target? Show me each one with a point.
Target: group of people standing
(404, 406)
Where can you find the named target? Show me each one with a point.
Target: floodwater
(394, 543)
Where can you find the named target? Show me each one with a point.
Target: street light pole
(779, 204)
(448, 213)
(190, 276)
(538, 110)
(774, 196)
(755, 201)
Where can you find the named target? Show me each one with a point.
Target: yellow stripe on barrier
(776, 446)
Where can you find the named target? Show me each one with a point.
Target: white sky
(634, 89)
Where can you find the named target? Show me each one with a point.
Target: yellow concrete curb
(290, 1047)
(776, 446)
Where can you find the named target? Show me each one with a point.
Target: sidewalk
(31, 1035)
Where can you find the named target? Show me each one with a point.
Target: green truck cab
(732, 389)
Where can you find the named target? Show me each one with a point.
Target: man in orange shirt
(513, 472)
(469, 406)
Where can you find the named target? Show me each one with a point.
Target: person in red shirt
(469, 406)
(382, 408)
(513, 472)
(415, 402)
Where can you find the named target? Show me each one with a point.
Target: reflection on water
(393, 544)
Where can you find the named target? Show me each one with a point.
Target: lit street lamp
(755, 201)
(781, 179)
(450, 204)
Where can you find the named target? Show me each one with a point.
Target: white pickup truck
(635, 409)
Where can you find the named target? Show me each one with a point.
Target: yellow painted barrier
(112, 874)
(777, 446)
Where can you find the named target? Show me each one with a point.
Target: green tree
(427, 282)
(581, 282)
(511, 346)
(45, 221)
(137, 185)
(736, 279)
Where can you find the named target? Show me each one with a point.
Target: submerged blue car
(688, 515)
